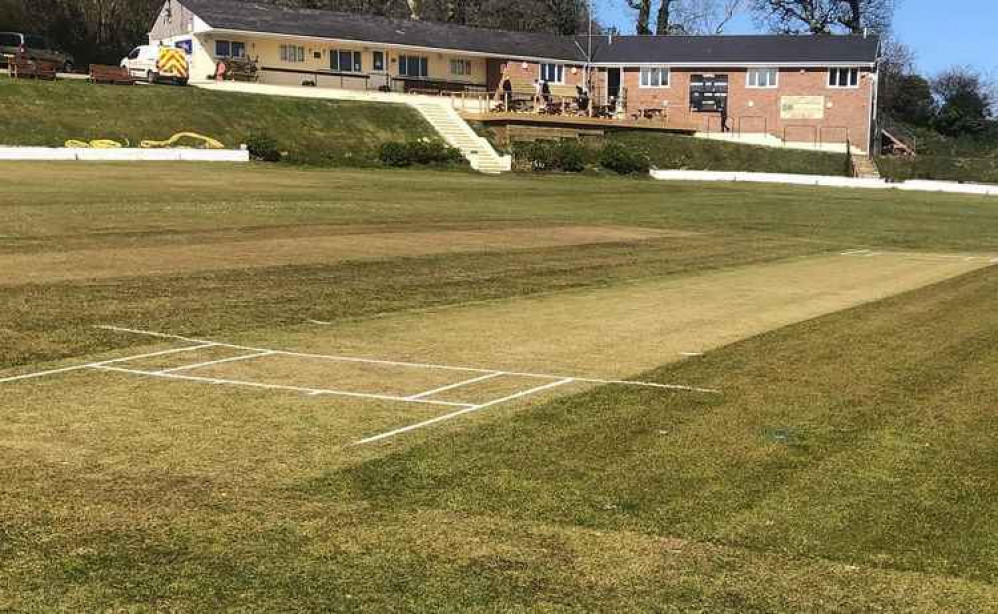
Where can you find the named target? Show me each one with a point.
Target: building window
(230, 49)
(655, 76)
(379, 60)
(843, 77)
(345, 61)
(553, 73)
(762, 77)
(460, 67)
(414, 66)
(294, 54)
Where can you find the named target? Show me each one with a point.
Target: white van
(156, 63)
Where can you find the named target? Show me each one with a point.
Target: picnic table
(241, 69)
(653, 113)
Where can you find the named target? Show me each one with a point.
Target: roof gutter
(775, 64)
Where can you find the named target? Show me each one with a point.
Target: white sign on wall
(802, 107)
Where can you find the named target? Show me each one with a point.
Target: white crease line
(91, 365)
(451, 416)
(620, 382)
(430, 393)
(211, 363)
(309, 391)
(691, 354)
(395, 363)
(854, 252)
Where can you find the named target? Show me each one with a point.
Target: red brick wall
(847, 111)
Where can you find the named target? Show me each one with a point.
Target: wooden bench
(30, 69)
(110, 75)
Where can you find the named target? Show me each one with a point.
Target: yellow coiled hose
(206, 142)
(96, 144)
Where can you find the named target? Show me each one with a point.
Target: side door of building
(379, 70)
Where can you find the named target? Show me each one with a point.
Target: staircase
(459, 134)
(864, 168)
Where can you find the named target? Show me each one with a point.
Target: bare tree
(643, 7)
(666, 24)
(695, 16)
(825, 16)
(703, 16)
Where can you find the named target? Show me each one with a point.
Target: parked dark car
(33, 47)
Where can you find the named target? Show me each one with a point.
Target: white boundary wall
(124, 154)
(828, 181)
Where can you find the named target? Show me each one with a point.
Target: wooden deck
(582, 123)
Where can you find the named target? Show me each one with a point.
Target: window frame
(355, 60)
(230, 45)
(288, 50)
(466, 68)
(422, 64)
(559, 71)
(378, 61)
(758, 70)
(849, 71)
(661, 71)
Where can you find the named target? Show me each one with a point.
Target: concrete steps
(864, 168)
(457, 133)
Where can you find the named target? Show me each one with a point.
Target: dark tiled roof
(262, 17)
(735, 49)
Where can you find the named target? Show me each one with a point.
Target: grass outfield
(311, 131)
(846, 464)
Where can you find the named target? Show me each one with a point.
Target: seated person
(582, 98)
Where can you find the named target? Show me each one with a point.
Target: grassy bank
(940, 168)
(668, 151)
(310, 131)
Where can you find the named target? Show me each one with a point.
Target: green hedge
(940, 168)
(423, 151)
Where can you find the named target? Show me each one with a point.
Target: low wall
(124, 154)
(827, 181)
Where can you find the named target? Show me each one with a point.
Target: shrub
(565, 155)
(569, 157)
(623, 160)
(423, 151)
(433, 151)
(263, 147)
(395, 154)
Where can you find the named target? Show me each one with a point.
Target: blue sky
(942, 34)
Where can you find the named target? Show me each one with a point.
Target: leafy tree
(913, 102)
(965, 102)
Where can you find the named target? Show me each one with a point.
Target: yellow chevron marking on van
(172, 62)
